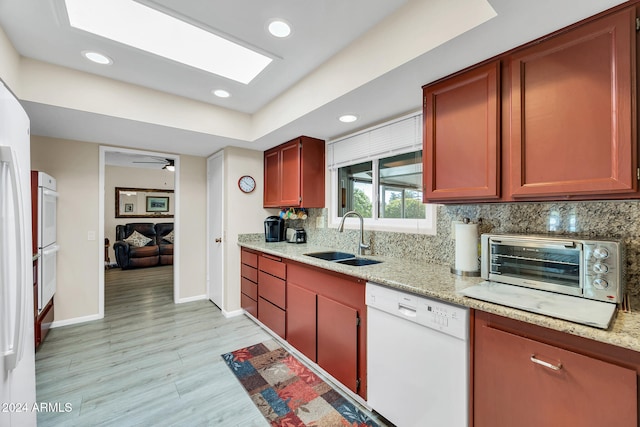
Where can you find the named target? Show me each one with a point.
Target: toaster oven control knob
(600, 268)
(600, 283)
(600, 253)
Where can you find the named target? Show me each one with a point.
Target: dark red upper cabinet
(572, 109)
(462, 136)
(294, 174)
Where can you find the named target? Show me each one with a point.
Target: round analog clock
(247, 184)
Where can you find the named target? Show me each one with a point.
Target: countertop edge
(409, 276)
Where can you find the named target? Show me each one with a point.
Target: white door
(215, 199)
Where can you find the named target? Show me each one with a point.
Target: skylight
(139, 26)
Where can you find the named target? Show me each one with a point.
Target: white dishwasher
(417, 359)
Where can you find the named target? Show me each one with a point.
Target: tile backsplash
(608, 219)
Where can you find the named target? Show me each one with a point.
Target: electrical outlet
(320, 222)
(91, 235)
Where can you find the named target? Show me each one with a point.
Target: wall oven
(47, 238)
(576, 279)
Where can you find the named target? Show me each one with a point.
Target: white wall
(192, 226)
(9, 63)
(243, 214)
(116, 176)
(75, 167)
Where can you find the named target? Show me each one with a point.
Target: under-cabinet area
(523, 368)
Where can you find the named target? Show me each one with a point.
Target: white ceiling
(315, 71)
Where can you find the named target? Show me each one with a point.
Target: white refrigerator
(17, 354)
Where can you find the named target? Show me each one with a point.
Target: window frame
(400, 225)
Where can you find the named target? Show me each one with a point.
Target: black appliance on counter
(274, 229)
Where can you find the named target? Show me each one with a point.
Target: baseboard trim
(191, 299)
(75, 320)
(234, 313)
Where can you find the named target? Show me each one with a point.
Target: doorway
(215, 235)
(136, 161)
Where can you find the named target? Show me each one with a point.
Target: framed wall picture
(157, 204)
(144, 203)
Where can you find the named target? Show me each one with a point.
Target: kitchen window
(378, 173)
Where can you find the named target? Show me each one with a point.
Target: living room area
(139, 208)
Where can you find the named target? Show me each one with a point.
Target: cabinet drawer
(275, 267)
(249, 288)
(272, 289)
(249, 258)
(249, 304)
(249, 273)
(272, 316)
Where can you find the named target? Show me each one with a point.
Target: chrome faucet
(361, 246)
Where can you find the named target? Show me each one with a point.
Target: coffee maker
(274, 229)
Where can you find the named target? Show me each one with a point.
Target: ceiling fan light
(170, 168)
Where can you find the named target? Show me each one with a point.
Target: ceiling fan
(168, 163)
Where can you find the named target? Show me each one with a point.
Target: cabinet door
(272, 179)
(290, 174)
(571, 112)
(338, 341)
(301, 320)
(511, 389)
(462, 136)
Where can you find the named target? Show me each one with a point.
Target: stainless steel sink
(358, 261)
(342, 258)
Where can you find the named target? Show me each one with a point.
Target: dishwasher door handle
(407, 311)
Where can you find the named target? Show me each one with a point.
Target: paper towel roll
(466, 247)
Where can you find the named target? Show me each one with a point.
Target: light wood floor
(149, 362)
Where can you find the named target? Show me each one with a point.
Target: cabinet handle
(557, 367)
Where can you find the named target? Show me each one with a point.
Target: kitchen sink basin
(331, 256)
(358, 261)
(343, 258)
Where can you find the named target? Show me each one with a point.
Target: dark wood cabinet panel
(290, 159)
(571, 130)
(249, 288)
(272, 265)
(249, 282)
(272, 289)
(271, 195)
(340, 321)
(272, 316)
(294, 174)
(301, 320)
(249, 272)
(338, 341)
(513, 386)
(249, 304)
(462, 136)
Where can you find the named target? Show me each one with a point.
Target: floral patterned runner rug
(287, 392)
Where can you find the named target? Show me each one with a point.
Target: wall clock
(247, 184)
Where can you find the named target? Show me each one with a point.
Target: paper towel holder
(465, 273)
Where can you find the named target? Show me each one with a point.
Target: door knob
(219, 240)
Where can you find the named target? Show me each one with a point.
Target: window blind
(399, 136)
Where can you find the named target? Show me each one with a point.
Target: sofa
(144, 244)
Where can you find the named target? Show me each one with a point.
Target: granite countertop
(436, 281)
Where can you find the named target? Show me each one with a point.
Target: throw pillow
(169, 237)
(138, 240)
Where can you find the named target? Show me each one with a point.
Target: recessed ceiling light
(348, 118)
(96, 57)
(221, 93)
(279, 28)
(139, 26)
